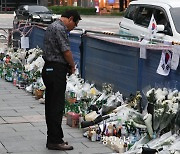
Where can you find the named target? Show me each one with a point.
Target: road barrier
(106, 58)
(109, 62)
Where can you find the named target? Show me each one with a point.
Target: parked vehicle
(34, 13)
(138, 15)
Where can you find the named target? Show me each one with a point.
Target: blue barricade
(120, 65)
(35, 34)
(36, 37)
(101, 61)
(75, 42)
(111, 63)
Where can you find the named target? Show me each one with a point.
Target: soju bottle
(114, 130)
(81, 118)
(119, 127)
(98, 133)
(104, 128)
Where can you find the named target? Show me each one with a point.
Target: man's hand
(69, 58)
(71, 70)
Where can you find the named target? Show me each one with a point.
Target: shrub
(81, 10)
(117, 13)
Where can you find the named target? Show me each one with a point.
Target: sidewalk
(23, 128)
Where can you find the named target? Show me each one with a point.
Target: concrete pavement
(23, 128)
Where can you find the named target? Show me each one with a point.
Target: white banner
(24, 42)
(165, 63)
(175, 57)
(143, 44)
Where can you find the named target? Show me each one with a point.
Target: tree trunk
(121, 5)
(125, 3)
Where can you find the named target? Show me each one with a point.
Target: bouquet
(165, 104)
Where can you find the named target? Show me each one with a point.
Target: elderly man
(58, 62)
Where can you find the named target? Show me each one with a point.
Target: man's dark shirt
(56, 42)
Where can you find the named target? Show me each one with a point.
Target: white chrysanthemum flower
(176, 99)
(172, 93)
(160, 94)
(160, 111)
(165, 91)
(167, 102)
(159, 90)
(173, 108)
(149, 92)
(31, 58)
(179, 94)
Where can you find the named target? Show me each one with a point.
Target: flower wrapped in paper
(163, 105)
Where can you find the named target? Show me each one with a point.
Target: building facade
(108, 4)
(11, 5)
(118, 5)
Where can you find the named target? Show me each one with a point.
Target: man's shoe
(62, 146)
(64, 143)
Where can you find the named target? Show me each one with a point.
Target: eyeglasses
(76, 23)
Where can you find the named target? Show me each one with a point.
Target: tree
(121, 5)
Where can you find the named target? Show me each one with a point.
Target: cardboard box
(73, 119)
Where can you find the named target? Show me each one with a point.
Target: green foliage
(117, 13)
(151, 99)
(37, 74)
(81, 10)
